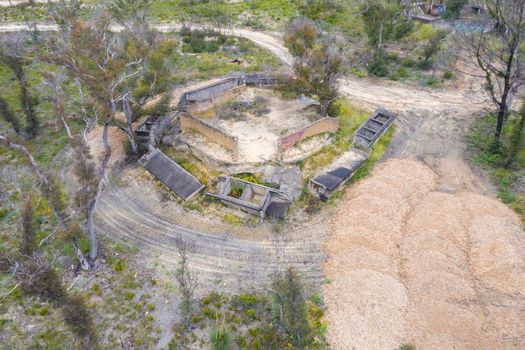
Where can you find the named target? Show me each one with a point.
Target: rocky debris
(288, 179)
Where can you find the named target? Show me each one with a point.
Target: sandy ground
(116, 139)
(412, 264)
(258, 135)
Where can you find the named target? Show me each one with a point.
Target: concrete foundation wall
(326, 124)
(190, 123)
(211, 102)
(213, 90)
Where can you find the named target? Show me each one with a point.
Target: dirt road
(269, 41)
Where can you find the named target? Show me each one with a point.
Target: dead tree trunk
(503, 105)
(128, 129)
(93, 250)
(45, 181)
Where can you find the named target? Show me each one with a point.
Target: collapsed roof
(339, 171)
(184, 184)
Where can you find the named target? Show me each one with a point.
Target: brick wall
(326, 124)
(190, 123)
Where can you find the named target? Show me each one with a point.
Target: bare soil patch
(258, 118)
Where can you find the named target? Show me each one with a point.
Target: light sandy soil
(258, 135)
(116, 139)
(409, 263)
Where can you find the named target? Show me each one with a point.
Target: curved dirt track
(271, 42)
(137, 215)
(409, 263)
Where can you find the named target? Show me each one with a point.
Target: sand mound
(442, 325)
(411, 264)
(383, 303)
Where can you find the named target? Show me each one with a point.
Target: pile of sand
(408, 264)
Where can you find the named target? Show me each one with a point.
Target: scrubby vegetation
(503, 160)
(285, 317)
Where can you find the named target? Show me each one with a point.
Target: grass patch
(233, 219)
(350, 118)
(508, 181)
(378, 151)
(193, 165)
(251, 320)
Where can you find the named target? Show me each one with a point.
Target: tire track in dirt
(215, 254)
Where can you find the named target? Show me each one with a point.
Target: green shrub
(207, 311)
(248, 299)
(424, 32)
(196, 319)
(221, 339)
(403, 28)
(378, 65)
(290, 307)
(447, 75)
(432, 82)
(96, 289)
(402, 72)
(129, 295)
(232, 219)
(454, 8)
(407, 347)
(408, 62)
(424, 64)
(199, 41)
(120, 266)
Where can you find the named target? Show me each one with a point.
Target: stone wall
(260, 80)
(326, 124)
(209, 96)
(211, 102)
(191, 123)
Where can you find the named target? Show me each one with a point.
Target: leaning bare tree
(35, 276)
(497, 52)
(17, 64)
(103, 63)
(51, 192)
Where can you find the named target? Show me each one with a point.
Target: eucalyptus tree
(104, 62)
(497, 52)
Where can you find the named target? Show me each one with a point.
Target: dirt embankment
(410, 263)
